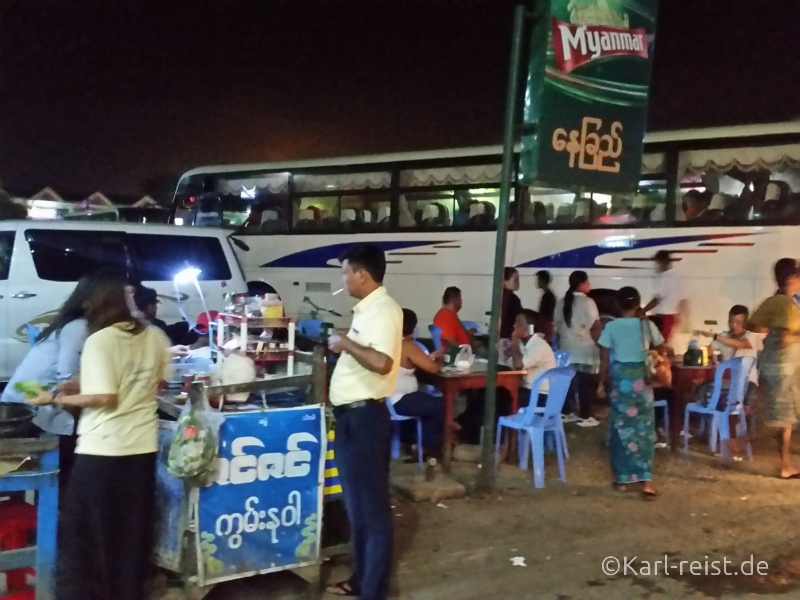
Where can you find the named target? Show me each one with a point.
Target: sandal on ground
(794, 476)
(343, 588)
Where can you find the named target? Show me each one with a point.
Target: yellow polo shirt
(115, 361)
(377, 323)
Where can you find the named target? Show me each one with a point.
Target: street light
(188, 275)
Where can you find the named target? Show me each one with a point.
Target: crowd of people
(107, 354)
(626, 361)
(102, 361)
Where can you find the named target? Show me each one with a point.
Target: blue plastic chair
(396, 420)
(563, 358)
(33, 332)
(310, 328)
(436, 336)
(536, 423)
(662, 404)
(472, 325)
(723, 404)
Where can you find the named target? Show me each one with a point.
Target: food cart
(263, 512)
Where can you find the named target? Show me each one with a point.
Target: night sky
(106, 94)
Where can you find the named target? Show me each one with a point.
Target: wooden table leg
(676, 415)
(447, 452)
(512, 434)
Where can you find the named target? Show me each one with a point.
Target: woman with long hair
(55, 359)
(108, 508)
(510, 306)
(577, 322)
(779, 363)
(632, 443)
(407, 399)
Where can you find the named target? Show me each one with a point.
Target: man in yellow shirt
(365, 375)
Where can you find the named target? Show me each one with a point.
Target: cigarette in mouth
(339, 291)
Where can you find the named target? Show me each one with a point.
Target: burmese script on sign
(589, 149)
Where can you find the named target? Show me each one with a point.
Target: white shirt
(756, 345)
(669, 291)
(537, 356)
(377, 324)
(577, 338)
(406, 384)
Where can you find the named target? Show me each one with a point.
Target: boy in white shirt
(531, 352)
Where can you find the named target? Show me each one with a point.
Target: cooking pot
(16, 419)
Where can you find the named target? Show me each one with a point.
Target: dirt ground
(463, 549)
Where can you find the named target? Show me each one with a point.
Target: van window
(160, 257)
(6, 249)
(63, 255)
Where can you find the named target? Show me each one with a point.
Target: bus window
(543, 207)
(365, 212)
(477, 208)
(431, 210)
(647, 206)
(267, 214)
(738, 195)
(316, 213)
(724, 185)
(362, 204)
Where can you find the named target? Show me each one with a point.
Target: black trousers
(106, 534)
(363, 453)
(585, 386)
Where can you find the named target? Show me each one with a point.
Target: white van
(41, 261)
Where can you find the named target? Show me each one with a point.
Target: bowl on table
(16, 420)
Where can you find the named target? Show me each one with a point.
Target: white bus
(725, 201)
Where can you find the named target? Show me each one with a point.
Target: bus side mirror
(239, 244)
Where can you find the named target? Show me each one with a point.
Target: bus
(725, 201)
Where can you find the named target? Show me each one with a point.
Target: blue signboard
(263, 513)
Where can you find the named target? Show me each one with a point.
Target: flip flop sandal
(342, 588)
(795, 476)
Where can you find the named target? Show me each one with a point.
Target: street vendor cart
(263, 511)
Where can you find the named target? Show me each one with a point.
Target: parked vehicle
(41, 261)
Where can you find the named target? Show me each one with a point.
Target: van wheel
(259, 288)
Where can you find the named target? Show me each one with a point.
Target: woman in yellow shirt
(108, 506)
(779, 363)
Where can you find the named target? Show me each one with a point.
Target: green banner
(586, 95)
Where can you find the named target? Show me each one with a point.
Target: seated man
(408, 400)
(453, 331)
(528, 351)
(734, 343)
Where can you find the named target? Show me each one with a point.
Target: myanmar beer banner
(586, 96)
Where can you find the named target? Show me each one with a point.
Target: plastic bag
(193, 449)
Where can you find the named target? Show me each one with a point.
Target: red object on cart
(17, 524)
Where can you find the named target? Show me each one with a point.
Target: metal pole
(486, 475)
